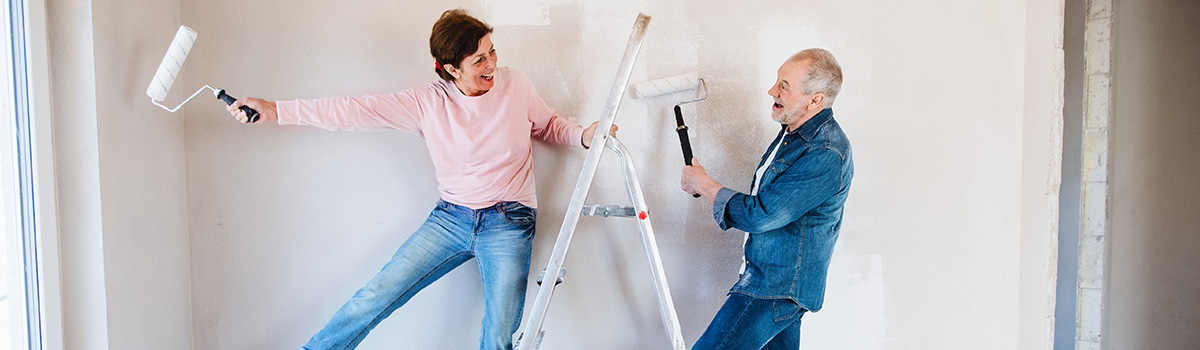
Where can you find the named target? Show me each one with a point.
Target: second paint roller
(663, 86)
(169, 69)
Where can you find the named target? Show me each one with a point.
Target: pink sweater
(480, 145)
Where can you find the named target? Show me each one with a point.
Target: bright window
(19, 294)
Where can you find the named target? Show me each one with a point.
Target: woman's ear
(450, 69)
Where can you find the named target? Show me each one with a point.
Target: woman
(477, 122)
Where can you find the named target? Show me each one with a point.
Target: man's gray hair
(824, 73)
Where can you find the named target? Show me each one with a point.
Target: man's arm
(801, 187)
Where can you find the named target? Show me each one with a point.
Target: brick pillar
(1093, 242)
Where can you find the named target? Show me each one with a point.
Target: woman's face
(475, 75)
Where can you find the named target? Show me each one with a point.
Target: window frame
(37, 212)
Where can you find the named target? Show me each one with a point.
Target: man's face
(791, 103)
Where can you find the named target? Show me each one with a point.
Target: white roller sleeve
(171, 63)
(659, 87)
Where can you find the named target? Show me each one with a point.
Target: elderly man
(791, 215)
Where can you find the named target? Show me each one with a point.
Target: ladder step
(562, 272)
(609, 211)
(537, 341)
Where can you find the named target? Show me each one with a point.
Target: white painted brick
(1090, 311)
(1095, 155)
(1091, 261)
(1099, 9)
(1095, 31)
(1087, 345)
(1097, 41)
(1095, 208)
(1098, 94)
(1097, 52)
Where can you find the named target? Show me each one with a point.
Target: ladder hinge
(609, 211)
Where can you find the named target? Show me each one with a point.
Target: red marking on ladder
(642, 215)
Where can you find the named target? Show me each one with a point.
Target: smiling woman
(460, 58)
(477, 122)
(476, 74)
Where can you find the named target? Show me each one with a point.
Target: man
(791, 215)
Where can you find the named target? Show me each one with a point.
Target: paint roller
(673, 84)
(169, 69)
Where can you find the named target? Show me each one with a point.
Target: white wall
(121, 172)
(1041, 173)
(284, 223)
(1153, 282)
(287, 222)
(77, 178)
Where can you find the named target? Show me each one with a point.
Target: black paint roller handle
(251, 114)
(683, 140)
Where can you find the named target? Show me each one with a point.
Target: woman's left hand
(590, 132)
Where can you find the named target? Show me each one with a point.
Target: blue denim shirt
(795, 218)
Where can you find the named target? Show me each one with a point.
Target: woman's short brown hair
(455, 36)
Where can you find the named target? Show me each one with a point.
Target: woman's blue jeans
(745, 322)
(500, 237)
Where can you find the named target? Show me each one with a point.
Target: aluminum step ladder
(532, 328)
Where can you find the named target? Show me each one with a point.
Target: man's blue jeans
(747, 323)
(500, 237)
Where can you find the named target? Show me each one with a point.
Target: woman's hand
(590, 132)
(266, 109)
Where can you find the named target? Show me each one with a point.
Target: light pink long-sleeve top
(481, 146)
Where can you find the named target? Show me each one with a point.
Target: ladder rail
(666, 307)
(541, 304)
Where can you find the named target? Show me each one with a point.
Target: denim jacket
(794, 220)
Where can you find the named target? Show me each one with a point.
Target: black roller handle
(683, 140)
(251, 114)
